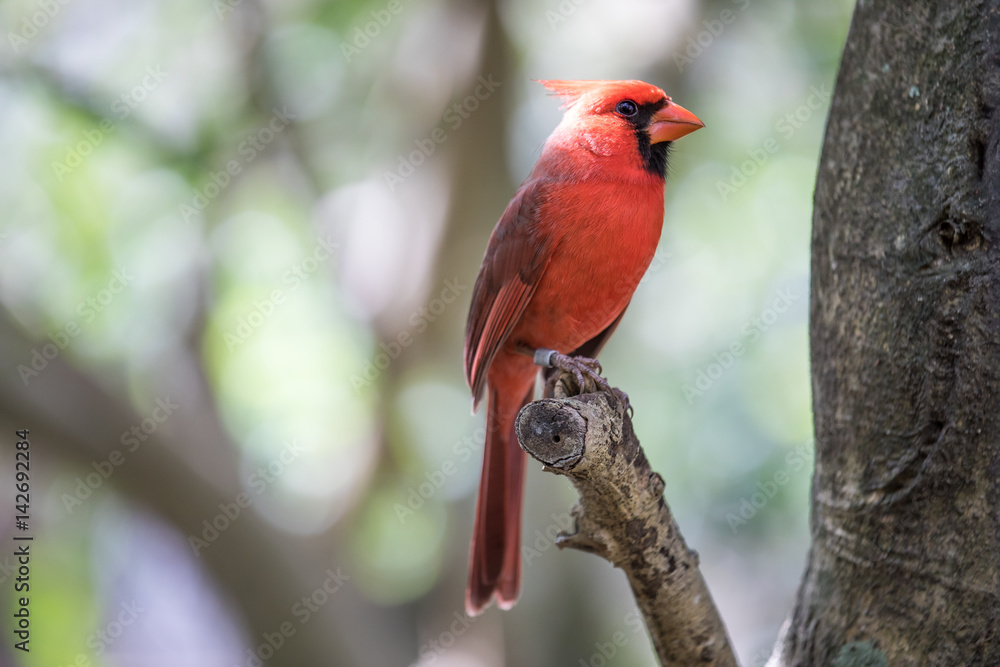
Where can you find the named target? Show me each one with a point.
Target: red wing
(514, 262)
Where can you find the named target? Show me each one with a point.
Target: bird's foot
(586, 372)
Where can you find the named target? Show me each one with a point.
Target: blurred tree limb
(623, 518)
(259, 567)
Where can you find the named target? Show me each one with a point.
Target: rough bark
(622, 517)
(904, 567)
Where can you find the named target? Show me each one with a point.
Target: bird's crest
(572, 92)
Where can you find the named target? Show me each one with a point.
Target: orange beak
(672, 122)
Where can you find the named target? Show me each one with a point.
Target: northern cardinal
(559, 271)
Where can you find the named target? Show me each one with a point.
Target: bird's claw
(582, 369)
(623, 400)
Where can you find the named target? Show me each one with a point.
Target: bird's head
(618, 118)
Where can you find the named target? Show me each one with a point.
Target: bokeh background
(236, 253)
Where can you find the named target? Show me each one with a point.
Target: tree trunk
(904, 567)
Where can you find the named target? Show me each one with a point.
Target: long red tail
(495, 558)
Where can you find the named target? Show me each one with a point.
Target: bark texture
(622, 517)
(904, 567)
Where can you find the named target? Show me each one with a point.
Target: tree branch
(622, 517)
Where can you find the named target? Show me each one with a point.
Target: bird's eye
(627, 108)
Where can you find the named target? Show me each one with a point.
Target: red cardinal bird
(559, 271)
